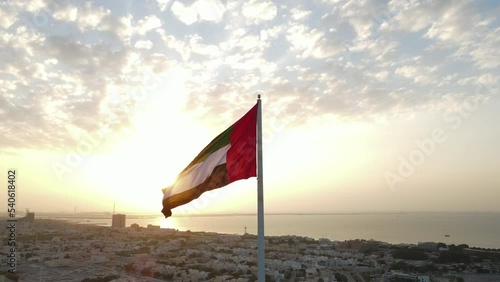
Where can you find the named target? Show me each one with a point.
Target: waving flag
(229, 157)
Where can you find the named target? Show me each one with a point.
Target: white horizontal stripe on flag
(196, 174)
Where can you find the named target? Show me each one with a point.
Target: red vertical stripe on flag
(241, 161)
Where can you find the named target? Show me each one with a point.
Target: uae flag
(229, 157)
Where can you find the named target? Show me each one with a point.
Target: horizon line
(254, 213)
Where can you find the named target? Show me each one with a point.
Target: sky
(367, 105)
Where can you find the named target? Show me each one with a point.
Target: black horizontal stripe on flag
(217, 179)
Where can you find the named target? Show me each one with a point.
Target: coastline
(104, 220)
(476, 229)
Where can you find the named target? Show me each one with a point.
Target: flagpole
(260, 198)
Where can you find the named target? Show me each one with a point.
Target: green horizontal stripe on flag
(219, 142)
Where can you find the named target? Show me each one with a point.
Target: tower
(118, 220)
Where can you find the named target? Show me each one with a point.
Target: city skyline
(367, 106)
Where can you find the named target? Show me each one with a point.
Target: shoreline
(475, 229)
(106, 225)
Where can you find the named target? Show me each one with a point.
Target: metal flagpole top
(258, 96)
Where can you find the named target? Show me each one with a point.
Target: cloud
(352, 60)
(143, 44)
(147, 24)
(58, 86)
(413, 16)
(258, 11)
(361, 15)
(487, 79)
(178, 45)
(418, 73)
(485, 51)
(300, 14)
(312, 42)
(7, 17)
(379, 49)
(87, 16)
(201, 10)
(185, 14)
(365, 72)
(444, 22)
(163, 4)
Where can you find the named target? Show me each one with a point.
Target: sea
(476, 229)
